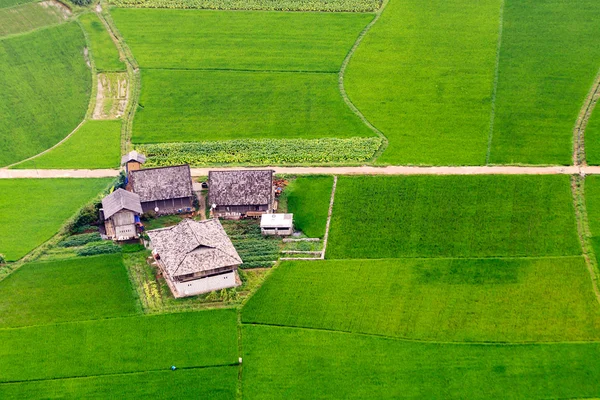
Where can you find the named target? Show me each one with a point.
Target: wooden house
(195, 257)
(234, 194)
(133, 161)
(120, 211)
(165, 190)
(277, 224)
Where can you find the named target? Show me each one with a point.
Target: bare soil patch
(112, 95)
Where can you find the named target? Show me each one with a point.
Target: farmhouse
(277, 224)
(133, 161)
(195, 257)
(233, 194)
(166, 190)
(121, 211)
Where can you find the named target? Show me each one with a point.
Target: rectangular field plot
(549, 57)
(592, 138)
(196, 39)
(215, 383)
(104, 50)
(180, 106)
(453, 216)
(306, 364)
(308, 199)
(33, 210)
(592, 199)
(71, 290)
(548, 299)
(119, 345)
(30, 16)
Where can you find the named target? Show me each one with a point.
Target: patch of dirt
(112, 95)
(61, 8)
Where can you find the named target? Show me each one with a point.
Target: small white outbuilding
(277, 224)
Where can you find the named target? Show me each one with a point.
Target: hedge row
(262, 152)
(275, 5)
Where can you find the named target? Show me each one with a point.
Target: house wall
(268, 230)
(121, 226)
(171, 206)
(243, 209)
(204, 285)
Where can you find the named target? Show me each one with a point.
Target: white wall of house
(205, 285)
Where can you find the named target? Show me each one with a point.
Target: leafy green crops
(44, 90)
(104, 50)
(27, 17)
(308, 199)
(280, 5)
(453, 216)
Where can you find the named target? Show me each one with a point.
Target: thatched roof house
(165, 190)
(119, 211)
(235, 193)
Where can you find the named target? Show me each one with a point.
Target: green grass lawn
(592, 138)
(27, 17)
(44, 90)
(70, 290)
(214, 383)
(196, 39)
(104, 50)
(500, 300)
(97, 144)
(424, 75)
(119, 345)
(453, 216)
(33, 210)
(308, 199)
(549, 57)
(180, 106)
(297, 363)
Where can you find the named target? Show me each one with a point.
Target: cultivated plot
(308, 199)
(453, 216)
(30, 16)
(592, 138)
(282, 5)
(592, 199)
(33, 210)
(103, 49)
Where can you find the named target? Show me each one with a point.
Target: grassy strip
(453, 216)
(308, 199)
(70, 290)
(104, 51)
(262, 152)
(214, 383)
(500, 300)
(592, 138)
(303, 364)
(273, 5)
(27, 17)
(118, 345)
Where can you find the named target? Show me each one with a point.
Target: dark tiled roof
(162, 183)
(121, 200)
(133, 156)
(194, 246)
(236, 188)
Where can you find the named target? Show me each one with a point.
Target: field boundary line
(495, 85)
(583, 118)
(342, 89)
(584, 232)
(329, 213)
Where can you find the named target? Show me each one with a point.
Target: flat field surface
(262, 5)
(33, 210)
(27, 17)
(45, 89)
(592, 199)
(592, 138)
(97, 144)
(119, 345)
(219, 105)
(70, 290)
(308, 199)
(549, 57)
(453, 216)
(298, 363)
(197, 39)
(499, 300)
(104, 50)
(11, 3)
(214, 383)
(424, 75)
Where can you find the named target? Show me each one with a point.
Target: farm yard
(444, 282)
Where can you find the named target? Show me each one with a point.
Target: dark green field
(308, 199)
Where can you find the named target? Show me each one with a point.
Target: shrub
(81, 2)
(95, 248)
(2, 259)
(80, 240)
(132, 248)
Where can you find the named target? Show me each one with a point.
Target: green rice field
(33, 210)
(12, 3)
(104, 50)
(308, 199)
(592, 138)
(45, 89)
(96, 145)
(453, 216)
(29, 16)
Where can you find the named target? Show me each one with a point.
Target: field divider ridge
(329, 213)
(495, 84)
(582, 120)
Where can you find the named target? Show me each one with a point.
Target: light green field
(181, 106)
(11, 3)
(592, 138)
(308, 199)
(196, 39)
(549, 57)
(499, 300)
(214, 383)
(592, 199)
(29, 16)
(33, 210)
(453, 216)
(119, 345)
(104, 50)
(306, 364)
(97, 144)
(424, 74)
(44, 90)
(70, 290)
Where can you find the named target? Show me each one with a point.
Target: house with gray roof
(120, 211)
(195, 257)
(234, 194)
(164, 190)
